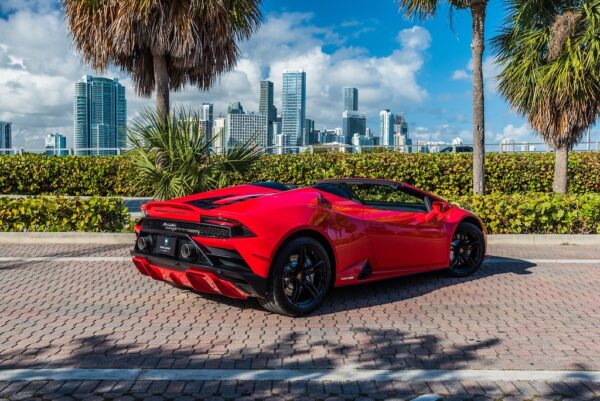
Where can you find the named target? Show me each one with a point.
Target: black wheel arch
(474, 221)
(477, 223)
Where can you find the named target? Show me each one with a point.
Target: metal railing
(432, 147)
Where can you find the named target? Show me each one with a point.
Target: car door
(404, 231)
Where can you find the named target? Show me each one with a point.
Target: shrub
(443, 174)
(536, 213)
(63, 214)
(69, 175)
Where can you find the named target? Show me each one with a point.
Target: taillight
(236, 229)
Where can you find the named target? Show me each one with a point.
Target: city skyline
(420, 68)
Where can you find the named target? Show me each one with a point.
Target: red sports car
(288, 246)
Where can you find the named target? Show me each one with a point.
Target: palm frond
(198, 37)
(173, 158)
(549, 52)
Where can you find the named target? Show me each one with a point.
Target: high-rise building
(207, 112)
(265, 104)
(308, 134)
(350, 99)
(241, 128)
(267, 108)
(100, 116)
(353, 123)
(56, 145)
(280, 143)
(293, 101)
(5, 136)
(218, 133)
(386, 127)
(207, 120)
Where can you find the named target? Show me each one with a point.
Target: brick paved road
(104, 314)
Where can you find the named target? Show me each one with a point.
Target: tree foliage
(549, 52)
(197, 38)
(173, 158)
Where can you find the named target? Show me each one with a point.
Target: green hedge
(536, 213)
(70, 175)
(443, 174)
(501, 213)
(63, 214)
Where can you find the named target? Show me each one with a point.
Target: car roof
(391, 183)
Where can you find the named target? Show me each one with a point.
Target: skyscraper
(386, 130)
(99, 115)
(207, 120)
(5, 136)
(350, 99)
(56, 145)
(266, 105)
(293, 105)
(353, 123)
(267, 108)
(207, 112)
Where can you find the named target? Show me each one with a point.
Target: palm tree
(162, 44)
(549, 51)
(428, 8)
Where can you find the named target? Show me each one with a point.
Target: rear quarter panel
(277, 217)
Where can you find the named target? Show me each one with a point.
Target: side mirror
(440, 207)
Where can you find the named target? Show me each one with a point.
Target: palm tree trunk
(561, 170)
(161, 80)
(477, 48)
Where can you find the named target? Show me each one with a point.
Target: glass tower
(99, 116)
(5, 136)
(386, 127)
(350, 99)
(293, 106)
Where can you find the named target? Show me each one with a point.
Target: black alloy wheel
(467, 250)
(300, 279)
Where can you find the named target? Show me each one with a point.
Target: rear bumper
(203, 279)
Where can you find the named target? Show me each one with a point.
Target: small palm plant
(173, 158)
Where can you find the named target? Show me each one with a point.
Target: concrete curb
(67, 238)
(127, 238)
(544, 239)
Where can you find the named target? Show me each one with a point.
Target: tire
(467, 250)
(296, 290)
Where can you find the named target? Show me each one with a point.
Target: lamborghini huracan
(288, 246)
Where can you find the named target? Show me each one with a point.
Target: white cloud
(490, 71)
(458, 75)
(520, 133)
(38, 67)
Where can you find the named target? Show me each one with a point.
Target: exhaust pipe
(188, 251)
(144, 243)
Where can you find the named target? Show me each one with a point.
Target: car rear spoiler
(172, 210)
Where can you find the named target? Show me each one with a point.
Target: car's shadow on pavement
(393, 290)
(407, 287)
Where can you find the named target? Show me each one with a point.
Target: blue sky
(420, 68)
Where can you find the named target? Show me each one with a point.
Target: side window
(386, 197)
